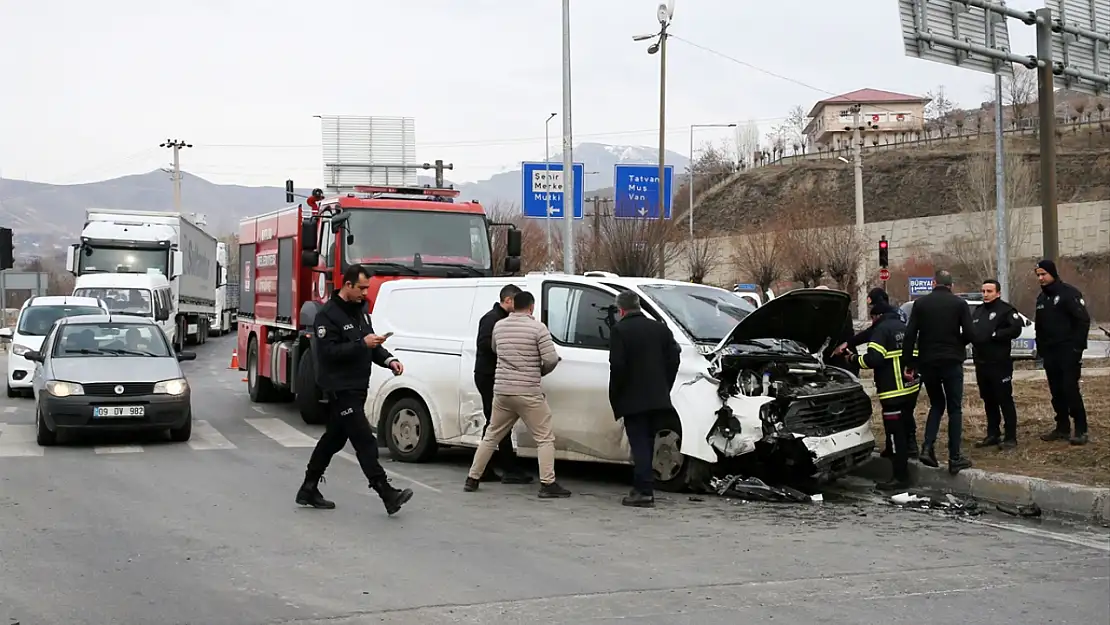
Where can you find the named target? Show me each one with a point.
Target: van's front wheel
(408, 431)
(675, 472)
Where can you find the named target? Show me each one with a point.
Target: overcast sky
(89, 89)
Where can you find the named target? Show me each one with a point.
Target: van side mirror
(33, 356)
(512, 264)
(513, 243)
(308, 233)
(182, 356)
(162, 315)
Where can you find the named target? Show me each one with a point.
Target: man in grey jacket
(525, 353)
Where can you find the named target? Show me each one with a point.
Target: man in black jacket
(345, 347)
(897, 395)
(485, 363)
(936, 346)
(1062, 326)
(996, 324)
(643, 365)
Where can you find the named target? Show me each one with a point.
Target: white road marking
(283, 433)
(259, 409)
(118, 449)
(18, 441)
(207, 437)
(10, 409)
(352, 458)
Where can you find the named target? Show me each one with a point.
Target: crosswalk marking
(10, 409)
(18, 441)
(118, 449)
(283, 433)
(207, 437)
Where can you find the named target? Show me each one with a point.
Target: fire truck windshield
(440, 237)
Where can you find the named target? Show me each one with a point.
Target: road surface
(138, 531)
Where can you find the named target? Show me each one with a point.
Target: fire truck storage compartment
(286, 255)
(246, 264)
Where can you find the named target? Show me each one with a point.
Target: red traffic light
(883, 245)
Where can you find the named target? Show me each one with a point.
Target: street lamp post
(547, 187)
(691, 181)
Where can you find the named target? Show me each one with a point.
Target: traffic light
(7, 249)
(289, 199)
(884, 247)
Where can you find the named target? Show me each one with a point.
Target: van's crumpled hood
(807, 316)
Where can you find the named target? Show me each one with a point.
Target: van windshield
(707, 314)
(121, 301)
(37, 320)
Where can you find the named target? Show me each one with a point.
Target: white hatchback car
(36, 317)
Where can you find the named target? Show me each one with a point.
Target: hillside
(898, 183)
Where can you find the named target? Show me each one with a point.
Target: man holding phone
(345, 347)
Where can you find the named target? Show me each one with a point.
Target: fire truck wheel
(409, 434)
(260, 389)
(308, 393)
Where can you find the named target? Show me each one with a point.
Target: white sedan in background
(35, 319)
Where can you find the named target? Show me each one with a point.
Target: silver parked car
(109, 372)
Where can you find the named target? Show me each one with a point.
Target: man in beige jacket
(525, 353)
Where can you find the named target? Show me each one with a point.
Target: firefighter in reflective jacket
(897, 395)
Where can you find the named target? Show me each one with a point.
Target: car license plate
(1023, 344)
(118, 412)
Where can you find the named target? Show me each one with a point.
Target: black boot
(393, 498)
(309, 494)
(1055, 435)
(553, 491)
(989, 441)
(894, 485)
(636, 499)
(1080, 439)
(928, 457)
(959, 463)
(1009, 443)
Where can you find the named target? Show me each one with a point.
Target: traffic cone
(234, 360)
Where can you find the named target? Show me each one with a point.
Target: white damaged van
(749, 386)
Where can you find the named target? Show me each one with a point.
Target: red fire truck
(293, 258)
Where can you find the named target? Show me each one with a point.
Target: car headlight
(20, 350)
(171, 387)
(64, 389)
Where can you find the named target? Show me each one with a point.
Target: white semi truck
(227, 295)
(152, 242)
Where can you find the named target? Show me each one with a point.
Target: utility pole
(663, 143)
(569, 194)
(548, 266)
(176, 145)
(1002, 226)
(857, 162)
(1046, 107)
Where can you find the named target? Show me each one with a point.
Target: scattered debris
(755, 489)
(1027, 511)
(950, 504)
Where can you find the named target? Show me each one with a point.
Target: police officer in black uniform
(897, 392)
(345, 347)
(1062, 326)
(995, 324)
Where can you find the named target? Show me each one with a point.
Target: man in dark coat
(936, 341)
(1062, 327)
(997, 323)
(485, 363)
(643, 365)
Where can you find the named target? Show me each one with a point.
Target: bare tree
(632, 247)
(747, 144)
(844, 253)
(938, 109)
(702, 256)
(976, 251)
(793, 129)
(806, 250)
(759, 256)
(1020, 93)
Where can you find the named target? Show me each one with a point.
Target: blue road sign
(637, 191)
(539, 180)
(920, 286)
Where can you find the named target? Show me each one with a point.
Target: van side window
(578, 316)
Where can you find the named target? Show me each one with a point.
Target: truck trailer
(292, 259)
(139, 242)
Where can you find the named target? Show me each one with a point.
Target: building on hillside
(891, 116)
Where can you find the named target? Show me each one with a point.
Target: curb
(1075, 501)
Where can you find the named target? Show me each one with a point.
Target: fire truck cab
(292, 259)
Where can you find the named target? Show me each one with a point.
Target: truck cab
(292, 259)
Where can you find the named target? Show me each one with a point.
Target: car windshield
(440, 237)
(121, 301)
(79, 340)
(122, 260)
(36, 320)
(706, 313)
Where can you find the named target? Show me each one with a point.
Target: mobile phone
(387, 335)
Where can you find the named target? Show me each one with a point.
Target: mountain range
(47, 217)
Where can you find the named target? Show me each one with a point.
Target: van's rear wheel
(308, 392)
(408, 432)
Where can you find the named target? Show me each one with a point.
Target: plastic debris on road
(755, 489)
(950, 504)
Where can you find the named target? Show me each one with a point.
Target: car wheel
(313, 412)
(43, 436)
(408, 431)
(183, 433)
(260, 389)
(675, 472)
